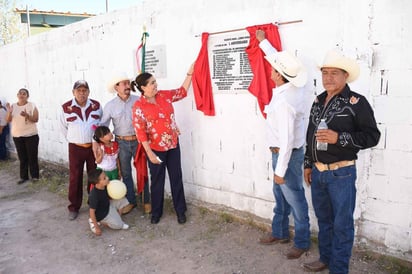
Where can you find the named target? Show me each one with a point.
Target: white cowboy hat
(289, 66)
(118, 77)
(335, 59)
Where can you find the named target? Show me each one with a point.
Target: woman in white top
(23, 116)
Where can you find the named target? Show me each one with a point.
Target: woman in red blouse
(157, 131)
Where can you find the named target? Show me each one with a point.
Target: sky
(76, 6)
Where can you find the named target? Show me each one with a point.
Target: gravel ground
(37, 237)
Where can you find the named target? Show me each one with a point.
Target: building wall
(225, 158)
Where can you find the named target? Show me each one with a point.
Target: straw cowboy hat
(289, 66)
(118, 77)
(335, 59)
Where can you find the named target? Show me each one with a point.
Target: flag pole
(142, 47)
(233, 30)
(144, 35)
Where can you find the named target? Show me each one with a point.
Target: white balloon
(116, 189)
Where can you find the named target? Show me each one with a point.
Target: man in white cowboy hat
(286, 128)
(331, 173)
(119, 112)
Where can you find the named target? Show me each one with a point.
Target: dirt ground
(37, 237)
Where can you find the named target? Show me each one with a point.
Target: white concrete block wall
(225, 158)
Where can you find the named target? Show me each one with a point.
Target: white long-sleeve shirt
(267, 48)
(285, 122)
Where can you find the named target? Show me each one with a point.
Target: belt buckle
(127, 138)
(333, 166)
(321, 166)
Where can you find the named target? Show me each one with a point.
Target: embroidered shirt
(120, 113)
(110, 154)
(156, 122)
(77, 123)
(285, 123)
(349, 114)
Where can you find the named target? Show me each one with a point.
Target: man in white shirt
(286, 129)
(79, 117)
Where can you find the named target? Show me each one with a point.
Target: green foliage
(10, 26)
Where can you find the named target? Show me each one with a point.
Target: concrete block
(372, 231)
(398, 162)
(398, 136)
(397, 239)
(398, 190)
(390, 213)
(378, 165)
(378, 187)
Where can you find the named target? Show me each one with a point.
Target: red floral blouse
(156, 122)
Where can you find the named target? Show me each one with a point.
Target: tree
(10, 26)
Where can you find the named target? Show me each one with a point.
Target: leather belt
(333, 166)
(87, 145)
(127, 138)
(276, 149)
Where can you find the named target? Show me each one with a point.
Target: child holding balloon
(102, 209)
(106, 156)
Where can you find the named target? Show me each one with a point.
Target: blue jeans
(4, 154)
(333, 198)
(127, 152)
(290, 196)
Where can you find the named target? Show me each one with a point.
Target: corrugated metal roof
(52, 12)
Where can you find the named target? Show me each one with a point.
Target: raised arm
(188, 79)
(264, 44)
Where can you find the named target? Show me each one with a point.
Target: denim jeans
(127, 152)
(333, 198)
(290, 196)
(4, 154)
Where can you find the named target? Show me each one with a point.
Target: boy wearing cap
(331, 173)
(79, 117)
(286, 136)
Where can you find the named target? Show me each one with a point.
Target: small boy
(103, 210)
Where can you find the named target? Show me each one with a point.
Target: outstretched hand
(9, 108)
